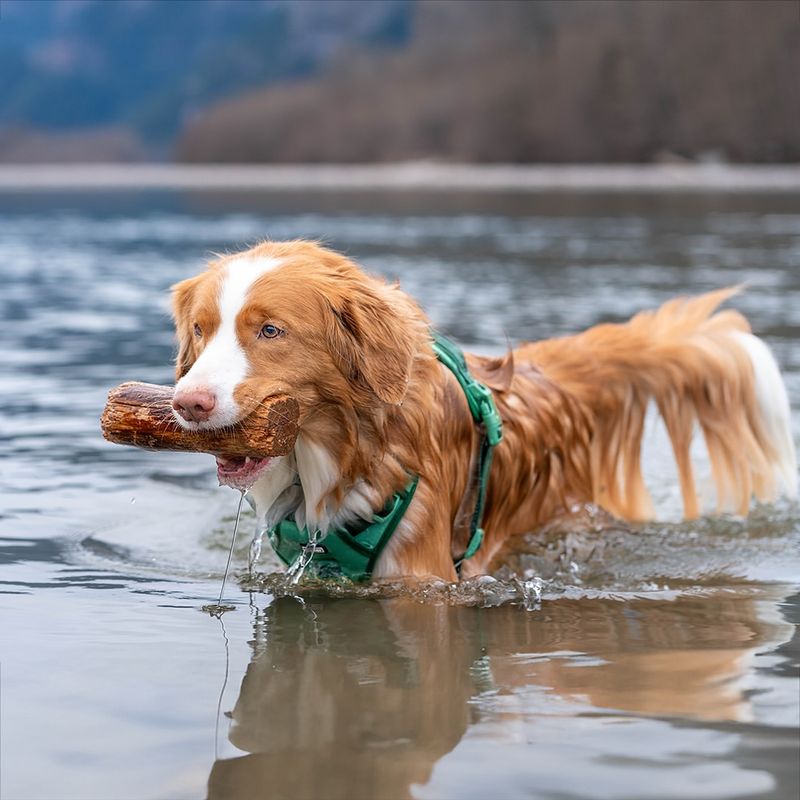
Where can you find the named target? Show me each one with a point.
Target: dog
(376, 406)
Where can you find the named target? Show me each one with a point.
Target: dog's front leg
(420, 547)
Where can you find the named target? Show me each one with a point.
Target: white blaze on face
(223, 364)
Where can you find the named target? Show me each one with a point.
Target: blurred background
(397, 80)
(664, 661)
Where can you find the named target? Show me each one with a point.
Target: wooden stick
(140, 414)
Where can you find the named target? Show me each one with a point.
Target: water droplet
(531, 590)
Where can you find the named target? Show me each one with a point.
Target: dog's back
(699, 366)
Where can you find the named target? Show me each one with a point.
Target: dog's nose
(194, 406)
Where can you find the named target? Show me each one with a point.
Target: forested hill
(149, 65)
(388, 80)
(597, 81)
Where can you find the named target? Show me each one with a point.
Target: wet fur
(377, 406)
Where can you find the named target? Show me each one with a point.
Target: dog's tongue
(231, 462)
(240, 472)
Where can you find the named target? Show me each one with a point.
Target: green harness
(353, 550)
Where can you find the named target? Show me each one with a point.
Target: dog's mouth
(241, 472)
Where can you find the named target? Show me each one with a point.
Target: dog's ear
(182, 296)
(496, 372)
(372, 343)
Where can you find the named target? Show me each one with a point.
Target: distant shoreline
(418, 176)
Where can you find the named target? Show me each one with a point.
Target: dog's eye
(269, 332)
(197, 331)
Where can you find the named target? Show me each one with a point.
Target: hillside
(281, 81)
(525, 82)
(127, 75)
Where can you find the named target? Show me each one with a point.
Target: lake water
(661, 662)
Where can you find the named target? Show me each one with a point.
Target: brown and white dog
(295, 318)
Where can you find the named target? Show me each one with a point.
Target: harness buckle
(492, 423)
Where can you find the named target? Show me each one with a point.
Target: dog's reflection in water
(360, 699)
(348, 699)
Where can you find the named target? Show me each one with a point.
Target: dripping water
(216, 609)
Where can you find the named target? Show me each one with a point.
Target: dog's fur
(377, 406)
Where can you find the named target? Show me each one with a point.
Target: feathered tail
(698, 367)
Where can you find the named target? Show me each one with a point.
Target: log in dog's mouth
(241, 472)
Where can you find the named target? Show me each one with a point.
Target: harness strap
(490, 426)
(350, 551)
(353, 550)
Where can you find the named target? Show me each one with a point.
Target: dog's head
(288, 318)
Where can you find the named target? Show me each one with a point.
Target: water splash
(254, 552)
(531, 591)
(484, 591)
(597, 558)
(297, 570)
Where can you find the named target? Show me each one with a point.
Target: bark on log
(140, 414)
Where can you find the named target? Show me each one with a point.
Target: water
(601, 661)
(219, 609)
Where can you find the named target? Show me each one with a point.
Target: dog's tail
(697, 366)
